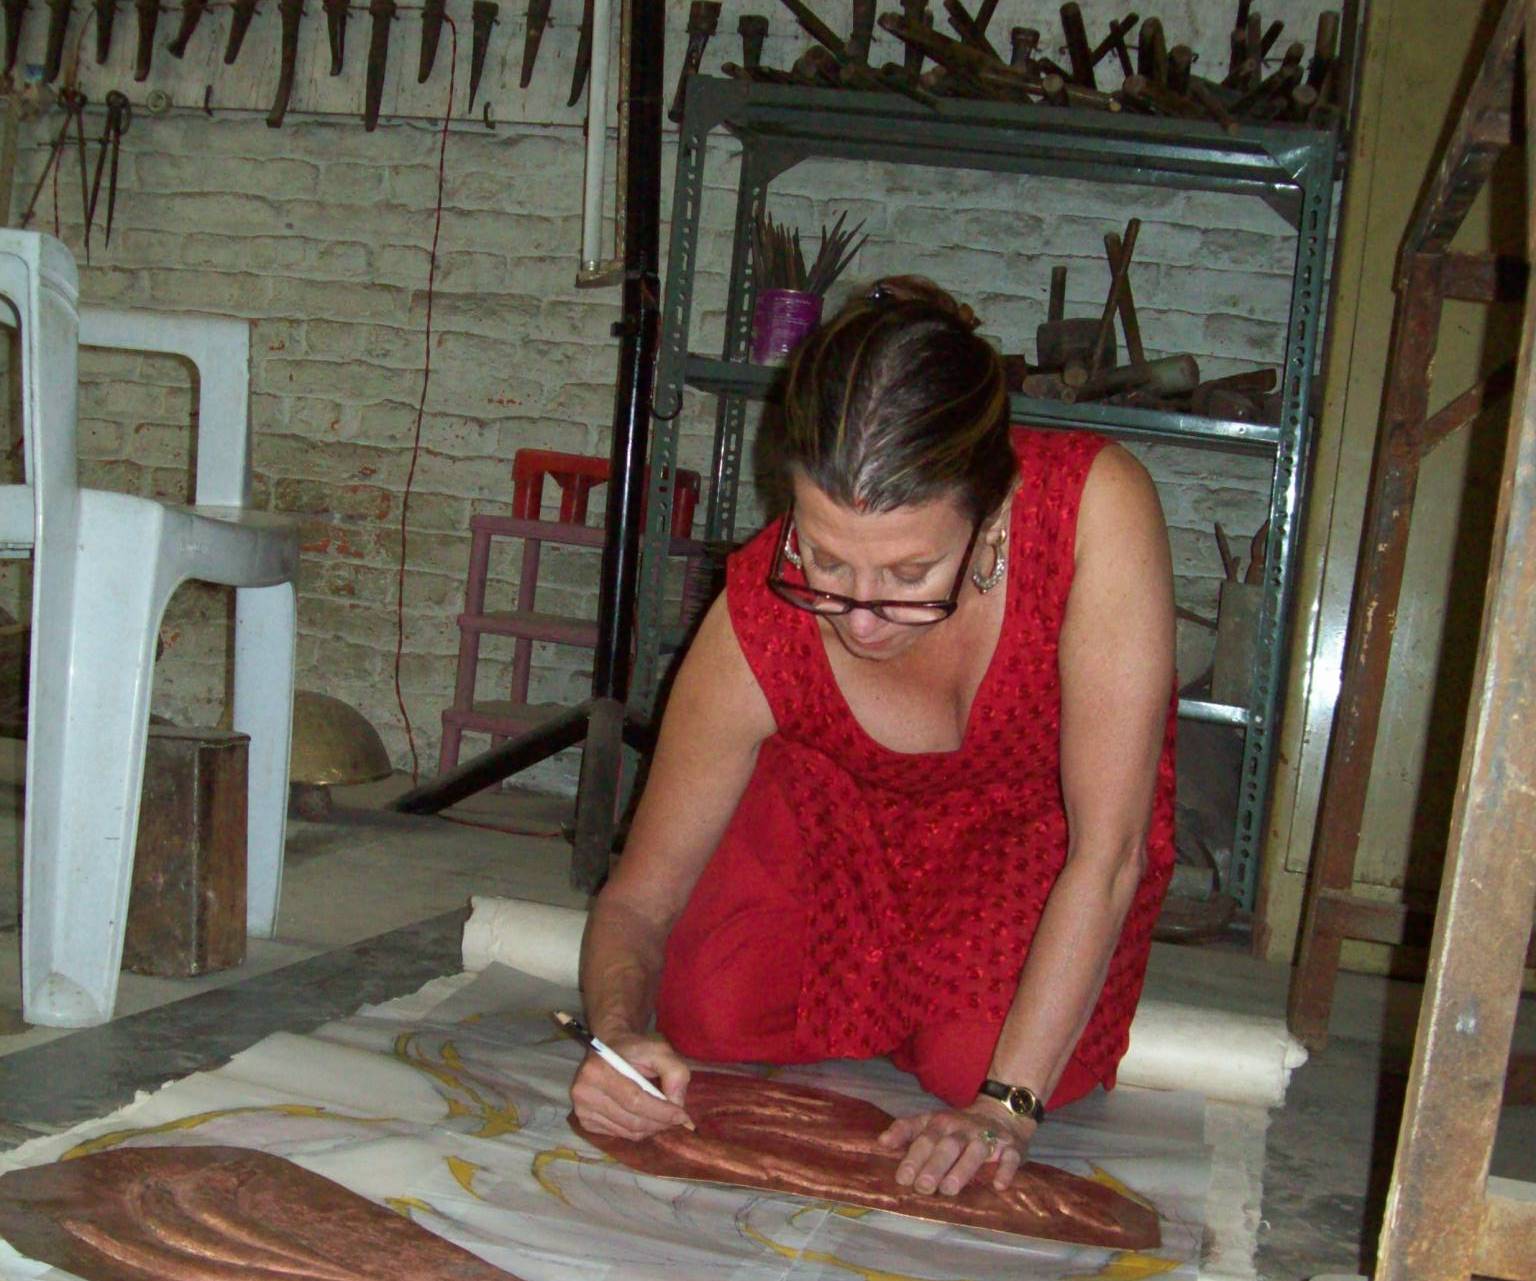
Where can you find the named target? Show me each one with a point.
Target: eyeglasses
(909, 613)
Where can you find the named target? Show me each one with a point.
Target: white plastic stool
(104, 566)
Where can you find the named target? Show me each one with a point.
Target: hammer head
(1062, 342)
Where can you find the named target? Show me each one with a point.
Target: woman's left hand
(947, 1148)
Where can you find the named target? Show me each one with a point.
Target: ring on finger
(990, 1138)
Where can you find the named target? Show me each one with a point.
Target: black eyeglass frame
(782, 587)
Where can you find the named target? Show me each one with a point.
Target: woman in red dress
(913, 794)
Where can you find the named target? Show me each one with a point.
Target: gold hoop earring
(790, 554)
(986, 582)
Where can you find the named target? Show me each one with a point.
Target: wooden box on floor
(186, 915)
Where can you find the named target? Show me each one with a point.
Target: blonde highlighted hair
(896, 402)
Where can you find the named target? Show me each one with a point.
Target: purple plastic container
(780, 323)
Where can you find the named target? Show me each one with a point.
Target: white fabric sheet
(450, 1106)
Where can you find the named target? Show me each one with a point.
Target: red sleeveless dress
(867, 902)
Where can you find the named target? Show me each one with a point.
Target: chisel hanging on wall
(292, 13)
(482, 18)
(431, 32)
(191, 15)
(58, 26)
(336, 32)
(533, 33)
(15, 13)
(149, 18)
(106, 12)
(241, 13)
(381, 13)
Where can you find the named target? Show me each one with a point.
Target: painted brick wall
(319, 233)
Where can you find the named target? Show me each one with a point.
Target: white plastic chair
(104, 566)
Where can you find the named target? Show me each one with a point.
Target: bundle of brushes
(779, 262)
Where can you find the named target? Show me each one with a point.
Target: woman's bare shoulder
(1119, 502)
(716, 684)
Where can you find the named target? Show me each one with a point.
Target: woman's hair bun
(919, 290)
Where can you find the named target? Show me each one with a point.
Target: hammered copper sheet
(759, 1133)
(215, 1214)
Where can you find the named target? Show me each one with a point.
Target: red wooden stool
(577, 475)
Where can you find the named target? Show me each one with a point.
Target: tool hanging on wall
(292, 14)
(73, 102)
(431, 32)
(533, 33)
(482, 18)
(381, 13)
(15, 14)
(106, 17)
(241, 13)
(703, 17)
(191, 14)
(119, 115)
(58, 26)
(583, 55)
(336, 32)
(149, 18)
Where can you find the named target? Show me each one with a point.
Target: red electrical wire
(421, 405)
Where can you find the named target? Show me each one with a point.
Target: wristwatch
(1018, 1099)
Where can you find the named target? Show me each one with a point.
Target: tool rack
(1291, 169)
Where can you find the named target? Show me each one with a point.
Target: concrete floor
(372, 903)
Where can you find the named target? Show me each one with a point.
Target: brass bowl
(333, 743)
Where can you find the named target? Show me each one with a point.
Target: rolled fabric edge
(1236, 1058)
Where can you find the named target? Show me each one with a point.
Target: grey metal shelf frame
(779, 126)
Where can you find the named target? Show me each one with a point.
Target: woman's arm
(1116, 663)
(715, 720)
(1116, 660)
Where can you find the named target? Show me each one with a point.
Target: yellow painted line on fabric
(464, 1174)
(403, 1205)
(823, 1256)
(102, 1142)
(1108, 1180)
(542, 1161)
(1129, 1265)
(494, 1120)
(835, 1207)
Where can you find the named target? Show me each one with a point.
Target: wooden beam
(1483, 277)
(1482, 132)
(1467, 406)
(1438, 1223)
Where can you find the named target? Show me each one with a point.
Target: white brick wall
(319, 233)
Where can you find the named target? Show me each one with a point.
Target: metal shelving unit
(778, 126)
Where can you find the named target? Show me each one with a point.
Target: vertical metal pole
(1287, 517)
(638, 329)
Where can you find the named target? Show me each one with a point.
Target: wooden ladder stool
(576, 475)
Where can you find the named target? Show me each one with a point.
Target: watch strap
(1018, 1099)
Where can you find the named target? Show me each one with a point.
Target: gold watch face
(1021, 1101)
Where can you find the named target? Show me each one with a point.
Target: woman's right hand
(606, 1102)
